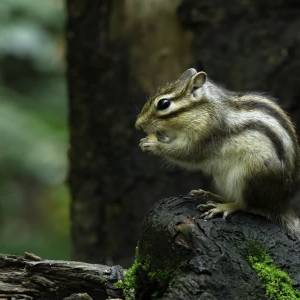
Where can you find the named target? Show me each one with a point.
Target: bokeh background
(34, 201)
(108, 56)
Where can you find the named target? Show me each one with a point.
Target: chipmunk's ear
(187, 74)
(198, 80)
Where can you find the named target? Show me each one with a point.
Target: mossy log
(182, 256)
(179, 256)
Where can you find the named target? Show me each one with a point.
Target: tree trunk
(248, 45)
(111, 68)
(118, 53)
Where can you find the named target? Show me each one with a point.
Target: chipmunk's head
(176, 108)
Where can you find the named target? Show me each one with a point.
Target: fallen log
(179, 256)
(29, 277)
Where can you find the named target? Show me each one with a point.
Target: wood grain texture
(29, 278)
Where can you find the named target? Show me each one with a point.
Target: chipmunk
(245, 142)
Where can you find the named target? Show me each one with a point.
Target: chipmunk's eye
(163, 104)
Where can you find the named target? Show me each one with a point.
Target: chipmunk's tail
(291, 222)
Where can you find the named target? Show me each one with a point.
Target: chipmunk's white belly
(228, 175)
(240, 158)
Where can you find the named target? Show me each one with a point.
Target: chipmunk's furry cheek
(163, 137)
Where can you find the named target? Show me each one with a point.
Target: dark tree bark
(110, 71)
(248, 45)
(209, 259)
(118, 53)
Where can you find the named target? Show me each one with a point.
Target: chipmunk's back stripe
(271, 111)
(267, 131)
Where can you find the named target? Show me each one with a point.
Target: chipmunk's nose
(139, 124)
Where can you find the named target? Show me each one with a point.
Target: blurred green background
(34, 200)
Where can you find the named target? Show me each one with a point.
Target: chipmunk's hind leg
(214, 209)
(215, 205)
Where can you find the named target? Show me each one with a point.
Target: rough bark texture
(208, 259)
(118, 52)
(29, 277)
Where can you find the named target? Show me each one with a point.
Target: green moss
(128, 284)
(140, 274)
(278, 284)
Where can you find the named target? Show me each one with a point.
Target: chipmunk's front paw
(213, 209)
(149, 144)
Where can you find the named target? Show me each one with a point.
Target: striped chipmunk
(245, 142)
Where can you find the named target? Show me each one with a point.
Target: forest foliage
(33, 145)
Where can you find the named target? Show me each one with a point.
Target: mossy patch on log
(128, 284)
(142, 274)
(277, 283)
